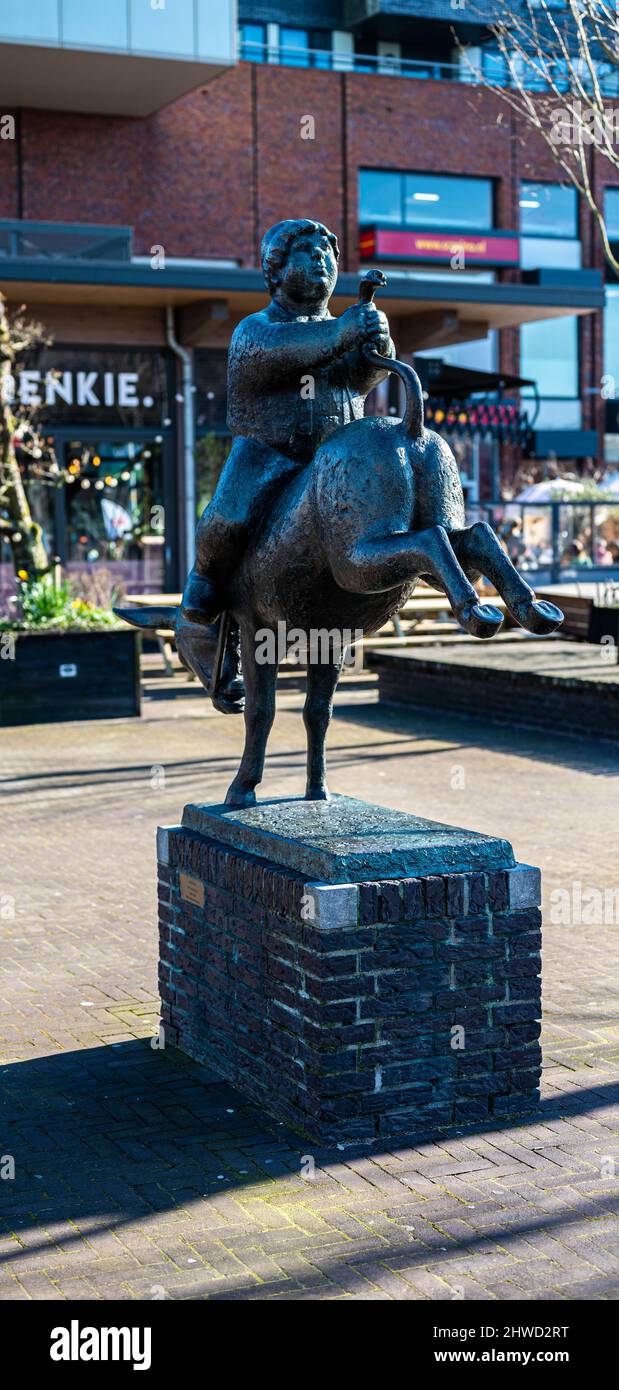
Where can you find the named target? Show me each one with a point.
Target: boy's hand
(378, 330)
(362, 323)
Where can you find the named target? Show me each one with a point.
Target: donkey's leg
(321, 682)
(375, 563)
(479, 552)
(260, 683)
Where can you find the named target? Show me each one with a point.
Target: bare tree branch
(559, 59)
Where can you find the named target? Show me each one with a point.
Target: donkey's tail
(413, 410)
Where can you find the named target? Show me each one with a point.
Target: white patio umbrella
(550, 490)
(610, 485)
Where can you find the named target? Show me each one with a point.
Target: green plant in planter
(48, 607)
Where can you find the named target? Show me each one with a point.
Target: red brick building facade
(199, 181)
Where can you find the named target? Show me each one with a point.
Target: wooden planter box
(58, 676)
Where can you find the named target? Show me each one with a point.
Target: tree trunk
(23, 533)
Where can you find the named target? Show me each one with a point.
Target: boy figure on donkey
(295, 374)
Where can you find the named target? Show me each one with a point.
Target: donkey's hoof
(541, 617)
(480, 619)
(239, 798)
(226, 705)
(318, 793)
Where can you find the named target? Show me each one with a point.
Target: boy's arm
(266, 353)
(357, 373)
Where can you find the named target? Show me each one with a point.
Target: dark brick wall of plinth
(397, 1009)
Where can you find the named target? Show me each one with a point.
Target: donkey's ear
(149, 615)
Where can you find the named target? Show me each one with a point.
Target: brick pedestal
(352, 997)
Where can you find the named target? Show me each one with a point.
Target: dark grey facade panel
(313, 14)
(566, 444)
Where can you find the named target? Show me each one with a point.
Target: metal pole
(556, 559)
(189, 460)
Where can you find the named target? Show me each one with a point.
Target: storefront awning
(425, 312)
(458, 383)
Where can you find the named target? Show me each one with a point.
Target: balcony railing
(61, 241)
(493, 70)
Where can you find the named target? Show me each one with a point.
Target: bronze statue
(323, 518)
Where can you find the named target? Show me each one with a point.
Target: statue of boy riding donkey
(323, 518)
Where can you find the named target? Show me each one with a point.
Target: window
(611, 212)
(320, 45)
(380, 197)
(549, 224)
(425, 200)
(611, 337)
(305, 48)
(293, 47)
(435, 200)
(479, 356)
(549, 356)
(494, 67)
(548, 209)
(549, 252)
(253, 42)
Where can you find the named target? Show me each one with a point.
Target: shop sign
(76, 386)
(470, 248)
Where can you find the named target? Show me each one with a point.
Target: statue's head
(299, 260)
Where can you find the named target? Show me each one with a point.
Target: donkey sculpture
(379, 507)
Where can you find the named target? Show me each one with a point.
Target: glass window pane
(547, 209)
(611, 212)
(215, 30)
(104, 26)
(166, 32)
(611, 337)
(553, 414)
(253, 42)
(115, 510)
(556, 253)
(494, 66)
(37, 19)
(549, 355)
(293, 44)
(320, 44)
(380, 196)
(435, 200)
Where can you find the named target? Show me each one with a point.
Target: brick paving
(141, 1175)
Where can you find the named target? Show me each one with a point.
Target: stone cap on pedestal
(349, 841)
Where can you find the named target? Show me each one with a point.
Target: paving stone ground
(140, 1175)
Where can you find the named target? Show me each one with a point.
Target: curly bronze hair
(277, 241)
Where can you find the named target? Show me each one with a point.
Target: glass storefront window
(115, 516)
(210, 377)
(548, 209)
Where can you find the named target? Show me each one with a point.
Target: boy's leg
(248, 484)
